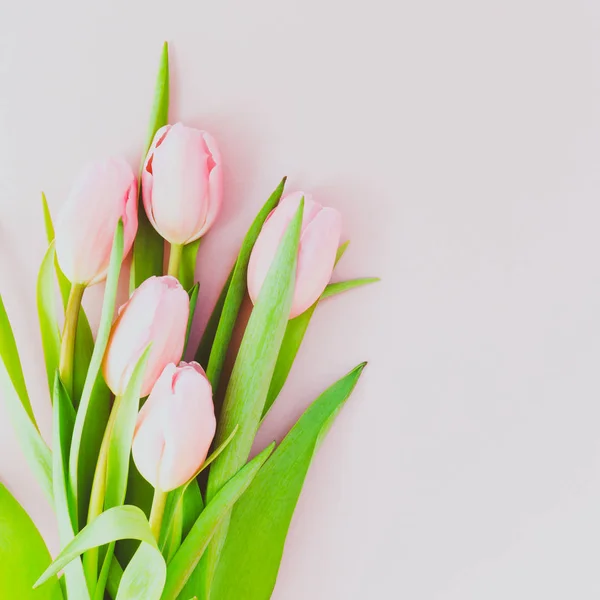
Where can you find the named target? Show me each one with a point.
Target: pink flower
(175, 427)
(320, 237)
(156, 313)
(105, 192)
(182, 183)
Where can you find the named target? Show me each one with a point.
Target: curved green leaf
(260, 520)
(236, 290)
(187, 268)
(46, 307)
(23, 555)
(12, 384)
(121, 522)
(252, 372)
(148, 248)
(185, 560)
(66, 512)
(92, 412)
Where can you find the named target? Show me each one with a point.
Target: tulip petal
(316, 258)
(215, 185)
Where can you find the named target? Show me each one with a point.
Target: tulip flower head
(105, 192)
(175, 427)
(157, 314)
(319, 240)
(182, 183)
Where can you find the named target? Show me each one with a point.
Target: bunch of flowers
(148, 474)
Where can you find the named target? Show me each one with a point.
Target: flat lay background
(461, 142)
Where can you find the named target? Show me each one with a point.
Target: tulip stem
(157, 511)
(175, 259)
(90, 558)
(67, 347)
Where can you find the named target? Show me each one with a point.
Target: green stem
(67, 347)
(175, 260)
(157, 511)
(90, 558)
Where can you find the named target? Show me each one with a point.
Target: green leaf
(139, 581)
(17, 403)
(63, 419)
(294, 334)
(148, 248)
(194, 545)
(261, 518)
(23, 555)
(46, 306)
(84, 340)
(92, 412)
(236, 291)
(119, 451)
(187, 268)
(343, 286)
(253, 370)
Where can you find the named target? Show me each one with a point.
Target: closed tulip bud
(175, 427)
(105, 192)
(157, 314)
(319, 240)
(182, 183)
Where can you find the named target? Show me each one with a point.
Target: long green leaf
(236, 290)
(121, 522)
(91, 418)
(148, 248)
(294, 335)
(46, 306)
(194, 545)
(84, 340)
(66, 512)
(193, 301)
(252, 372)
(260, 520)
(12, 384)
(23, 555)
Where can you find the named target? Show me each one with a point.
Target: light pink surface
(461, 142)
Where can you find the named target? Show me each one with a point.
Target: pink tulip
(182, 183)
(156, 313)
(320, 237)
(105, 192)
(175, 427)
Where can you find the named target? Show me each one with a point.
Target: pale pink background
(461, 141)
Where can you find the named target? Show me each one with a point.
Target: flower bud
(175, 427)
(182, 183)
(156, 313)
(105, 192)
(319, 240)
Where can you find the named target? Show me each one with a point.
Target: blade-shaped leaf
(260, 520)
(192, 548)
(23, 555)
(236, 290)
(16, 399)
(46, 306)
(252, 372)
(63, 417)
(148, 248)
(121, 522)
(63, 283)
(90, 421)
(294, 335)
(193, 301)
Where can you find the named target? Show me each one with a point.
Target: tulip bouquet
(149, 472)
